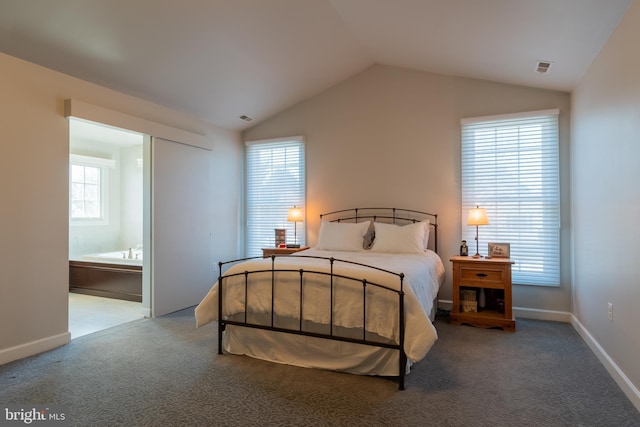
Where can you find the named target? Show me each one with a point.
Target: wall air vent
(246, 118)
(543, 67)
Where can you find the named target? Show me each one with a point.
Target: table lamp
(295, 216)
(477, 216)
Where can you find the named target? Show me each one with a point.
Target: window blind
(275, 182)
(510, 167)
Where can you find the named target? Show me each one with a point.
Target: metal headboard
(392, 215)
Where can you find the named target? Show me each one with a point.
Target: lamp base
(477, 256)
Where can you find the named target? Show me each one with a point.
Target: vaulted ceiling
(220, 59)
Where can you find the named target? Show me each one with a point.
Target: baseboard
(444, 304)
(628, 388)
(539, 314)
(34, 347)
(524, 313)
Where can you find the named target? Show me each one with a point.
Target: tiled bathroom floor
(88, 314)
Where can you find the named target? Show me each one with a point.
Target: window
(510, 167)
(275, 180)
(88, 188)
(86, 192)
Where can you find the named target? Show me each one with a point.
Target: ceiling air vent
(543, 67)
(246, 118)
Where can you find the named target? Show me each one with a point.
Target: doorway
(106, 245)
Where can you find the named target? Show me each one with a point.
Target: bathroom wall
(130, 197)
(89, 238)
(123, 226)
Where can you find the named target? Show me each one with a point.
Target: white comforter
(424, 273)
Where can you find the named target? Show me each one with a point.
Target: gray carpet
(165, 372)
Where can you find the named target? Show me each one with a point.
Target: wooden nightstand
(491, 276)
(267, 252)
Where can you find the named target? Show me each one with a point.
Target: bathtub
(119, 257)
(109, 274)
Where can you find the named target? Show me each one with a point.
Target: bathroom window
(87, 191)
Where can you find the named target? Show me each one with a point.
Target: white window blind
(275, 172)
(510, 167)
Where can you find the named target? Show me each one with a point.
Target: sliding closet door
(182, 271)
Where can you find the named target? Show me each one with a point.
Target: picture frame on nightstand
(499, 250)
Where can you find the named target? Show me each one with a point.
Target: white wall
(606, 197)
(131, 198)
(391, 137)
(34, 159)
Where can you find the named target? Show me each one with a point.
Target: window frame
(262, 215)
(103, 165)
(511, 180)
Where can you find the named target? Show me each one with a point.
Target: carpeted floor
(165, 372)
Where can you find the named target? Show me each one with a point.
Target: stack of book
(468, 303)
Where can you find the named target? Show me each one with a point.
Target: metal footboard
(330, 276)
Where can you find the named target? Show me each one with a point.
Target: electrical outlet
(610, 312)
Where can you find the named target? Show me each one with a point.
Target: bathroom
(105, 218)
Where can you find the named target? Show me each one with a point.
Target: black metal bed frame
(348, 215)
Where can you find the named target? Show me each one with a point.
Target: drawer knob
(481, 275)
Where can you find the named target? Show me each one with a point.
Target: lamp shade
(295, 215)
(477, 216)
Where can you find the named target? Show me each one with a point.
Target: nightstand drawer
(482, 276)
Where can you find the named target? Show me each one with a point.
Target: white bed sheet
(424, 273)
(312, 352)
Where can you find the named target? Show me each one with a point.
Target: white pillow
(342, 236)
(427, 227)
(408, 239)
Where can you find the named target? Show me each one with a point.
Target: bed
(361, 301)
